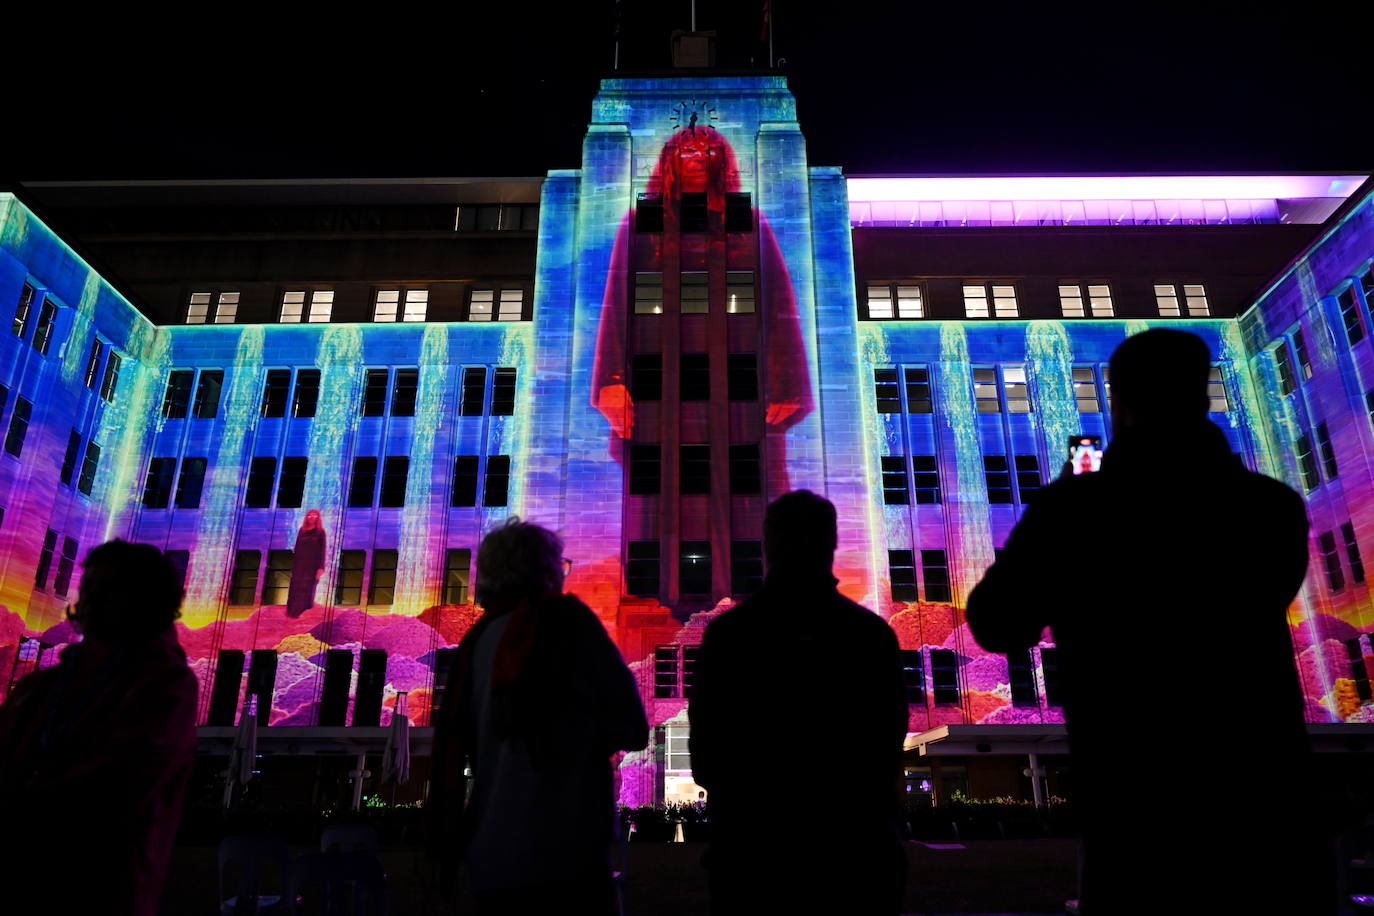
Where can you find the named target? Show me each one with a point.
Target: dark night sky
(959, 88)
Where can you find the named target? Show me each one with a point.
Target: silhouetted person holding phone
(538, 701)
(95, 752)
(798, 689)
(1191, 770)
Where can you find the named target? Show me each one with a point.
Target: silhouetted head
(518, 560)
(1159, 376)
(799, 533)
(312, 520)
(128, 592)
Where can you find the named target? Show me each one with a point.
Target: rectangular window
(645, 470)
(307, 396)
(927, 478)
(496, 490)
(403, 392)
(381, 585)
(276, 584)
(386, 305)
(69, 459)
(1307, 463)
(464, 481)
(243, 582)
(89, 465)
(690, 656)
(894, 481)
(198, 309)
(65, 566)
(262, 477)
(1359, 671)
(503, 392)
(292, 307)
(1021, 678)
(901, 573)
(40, 574)
(1288, 381)
(746, 475)
(665, 672)
(648, 292)
(739, 212)
(157, 487)
(395, 471)
(21, 311)
(374, 393)
(1085, 390)
(695, 470)
(1332, 559)
(457, 575)
(997, 476)
(1352, 552)
(1166, 298)
(910, 302)
(918, 399)
(1049, 669)
(646, 377)
(913, 676)
(93, 362)
(1195, 296)
(695, 293)
(110, 383)
(1328, 453)
(19, 426)
(191, 483)
(694, 568)
(321, 305)
(275, 391)
(746, 567)
(362, 483)
(1004, 301)
(739, 292)
(1071, 301)
(178, 396)
(512, 305)
(349, 590)
(227, 308)
(879, 301)
(935, 573)
(1100, 301)
(481, 304)
(180, 560)
(47, 319)
(474, 392)
(1216, 391)
(291, 487)
(1028, 480)
(649, 213)
(888, 396)
(642, 569)
(695, 377)
(1350, 316)
(693, 210)
(985, 397)
(206, 406)
(944, 676)
(975, 301)
(1300, 348)
(1017, 394)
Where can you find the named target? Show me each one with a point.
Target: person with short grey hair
(538, 701)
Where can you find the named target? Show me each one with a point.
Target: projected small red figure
(699, 162)
(307, 565)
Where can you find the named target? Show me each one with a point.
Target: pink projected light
(1100, 187)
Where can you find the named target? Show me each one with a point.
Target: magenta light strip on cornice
(1095, 187)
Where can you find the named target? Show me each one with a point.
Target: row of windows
(693, 214)
(694, 292)
(316, 306)
(901, 570)
(1014, 479)
(1307, 459)
(1352, 316)
(944, 677)
(1004, 389)
(379, 583)
(642, 568)
(44, 328)
(906, 300)
(1330, 552)
(694, 469)
(694, 377)
(89, 463)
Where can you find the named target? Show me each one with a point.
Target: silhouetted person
(307, 565)
(95, 752)
(797, 689)
(538, 700)
(1185, 715)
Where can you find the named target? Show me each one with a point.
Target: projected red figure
(307, 565)
(697, 160)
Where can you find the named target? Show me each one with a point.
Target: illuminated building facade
(641, 353)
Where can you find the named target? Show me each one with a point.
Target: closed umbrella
(244, 753)
(396, 759)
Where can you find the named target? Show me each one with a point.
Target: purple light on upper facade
(1099, 187)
